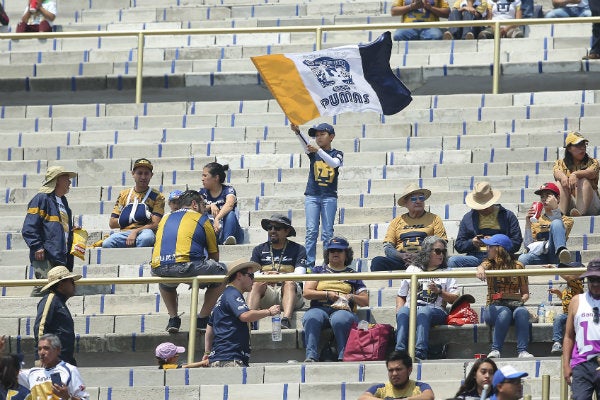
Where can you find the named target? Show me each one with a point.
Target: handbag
(461, 312)
(371, 344)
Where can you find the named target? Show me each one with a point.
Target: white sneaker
(230, 240)
(564, 256)
(556, 348)
(525, 354)
(494, 354)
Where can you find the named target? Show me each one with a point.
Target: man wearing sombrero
(486, 219)
(48, 225)
(53, 315)
(406, 232)
(277, 256)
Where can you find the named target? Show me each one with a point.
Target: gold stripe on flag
(286, 85)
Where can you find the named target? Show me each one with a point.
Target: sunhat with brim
(549, 187)
(278, 219)
(52, 173)
(240, 265)
(482, 196)
(465, 297)
(593, 268)
(411, 189)
(507, 372)
(499, 239)
(574, 138)
(167, 350)
(57, 274)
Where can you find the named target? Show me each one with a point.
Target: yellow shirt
(421, 14)
(406, 233)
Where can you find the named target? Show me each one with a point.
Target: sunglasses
(420, 197)
(275, 227)
(440, 251)
(593, 279)
(250, 274)
(596, 315)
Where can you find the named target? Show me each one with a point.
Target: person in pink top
(581, 345)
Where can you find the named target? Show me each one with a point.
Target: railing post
(564, 388)
(319, 38)
(412, 316)
(140, 68)
(496, 72)
(545, 387)
(193, 325)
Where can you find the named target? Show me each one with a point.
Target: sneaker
(174, 324)
(3, 17)
(469, 36)
(310, 360)
(564, 255)
(448, 36)
(485, 35)
(591, 56)
(556, 349)
(575, 213)
(230, 240)
(525, 354)
(201, 323)
(494, 354)
(285, 323)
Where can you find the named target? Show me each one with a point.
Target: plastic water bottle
(542, 313)
(276, 333)
(363, 325)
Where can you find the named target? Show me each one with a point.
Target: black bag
(437, 351)
(511, 304)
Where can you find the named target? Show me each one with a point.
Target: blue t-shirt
(221, 198)
(323, 179)
(231, 336)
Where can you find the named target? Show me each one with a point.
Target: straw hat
(482, 196)
(52, 173)
(57, 274)
(410, 189)
(239, 265)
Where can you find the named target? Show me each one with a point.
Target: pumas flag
(329, 82)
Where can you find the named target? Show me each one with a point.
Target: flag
(352, 78)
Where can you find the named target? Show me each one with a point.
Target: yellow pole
(527, 397)
(564, 388)
(545, 387)
(193, 315)
(496, 72)
(412, 316)
(319, 37)
(140, 65)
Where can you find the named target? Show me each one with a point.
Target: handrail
(318, 30)
(456, 273)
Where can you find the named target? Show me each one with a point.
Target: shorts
(273, 295)
(189, 269)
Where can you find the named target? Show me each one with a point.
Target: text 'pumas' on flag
(353, 78)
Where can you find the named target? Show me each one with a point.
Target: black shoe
(201, 323)
(174, 324)
(285, 323)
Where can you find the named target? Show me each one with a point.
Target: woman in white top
(433, 295)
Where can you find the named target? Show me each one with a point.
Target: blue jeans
(558, 328)
(527, 8)
(145, 238)
(500, 318)
(595, 9)
(556, 241)
(585, 380)
(230, 226)
(318, 209)
(566, 12)
(460, 32)
(418, 34)
(317, 318)
(427, 316)
(471, 260)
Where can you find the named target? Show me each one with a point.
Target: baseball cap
(174, 195)
(499, 239)
(142, 162)
(550, 187)
(574, 138)
(312, 132)
(337, 242)
(593, 268)
(167, 350)
(507, 372)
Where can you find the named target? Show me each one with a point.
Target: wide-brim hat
(482, 196)
(239, 265)
(465, 297)
(574, 138)
(410, 189)
(278, 219)
(593, 268)
(59, 273)
(52, 173)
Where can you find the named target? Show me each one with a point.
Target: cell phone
(55, 377)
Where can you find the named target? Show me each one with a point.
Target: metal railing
(316, 277)
(318, 30)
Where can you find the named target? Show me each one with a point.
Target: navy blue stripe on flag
(393, 95)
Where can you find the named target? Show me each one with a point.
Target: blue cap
(507, 372)
(499, 240)
(174, 195)
(337, 242)
(312, 132)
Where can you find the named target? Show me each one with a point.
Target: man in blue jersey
(186, 245)
(227, 340)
